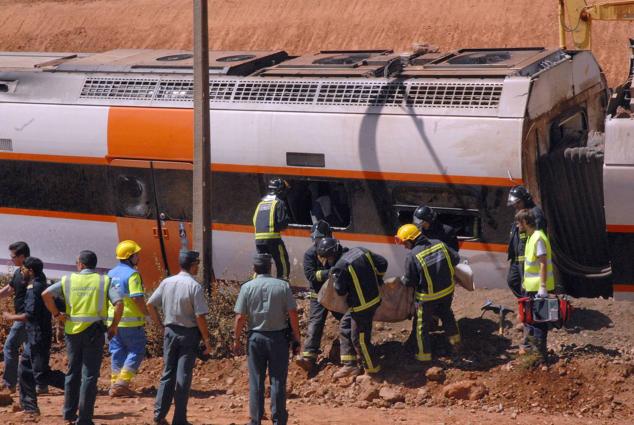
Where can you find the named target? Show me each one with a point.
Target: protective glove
(542, 293)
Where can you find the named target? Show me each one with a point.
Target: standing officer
(520, 199)
(127, 348)
(17, 335)
(184, 308)
(426, 219)
(34, 372)
(266, 305)
(270, 218)
(539, 277)
(316, 273)
(86, 295)
(357, 274)
(429, 269)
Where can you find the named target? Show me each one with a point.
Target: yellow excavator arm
(575, 17)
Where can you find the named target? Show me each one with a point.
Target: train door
(153, 205)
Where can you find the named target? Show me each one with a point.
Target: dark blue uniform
(34, 370)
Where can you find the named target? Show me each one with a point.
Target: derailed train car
(95, 148)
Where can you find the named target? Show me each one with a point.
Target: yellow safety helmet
(126, 249)
(407, 232)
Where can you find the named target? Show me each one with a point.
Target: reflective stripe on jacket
(85, 296)
(358, 276)
(264, 219)
(435, 265)
(532, 280)
(120, 279)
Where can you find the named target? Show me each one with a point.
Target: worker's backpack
(554, 311)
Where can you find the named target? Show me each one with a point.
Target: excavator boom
(575, 17)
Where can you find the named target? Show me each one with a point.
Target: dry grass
(219, 322)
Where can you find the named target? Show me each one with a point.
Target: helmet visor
(512, 200)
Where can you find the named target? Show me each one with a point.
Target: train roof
(494, 63)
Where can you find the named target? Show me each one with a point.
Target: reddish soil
(298, 26)
(590, 379)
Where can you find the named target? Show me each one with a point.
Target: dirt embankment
(589, 380)
(298, 26)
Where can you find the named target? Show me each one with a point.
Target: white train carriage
(95, 148)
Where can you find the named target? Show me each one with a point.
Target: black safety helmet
(519, 193)
(424, 213)
(278, 185)
(328, 247)
(321, 229)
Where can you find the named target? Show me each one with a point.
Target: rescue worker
(270, 218)
(520, 199)
(34, 372)
(539, 277)
(316, 273)
(127, 348)
(267, 307)
(19, 252)
(429, 269)
(426, 219)
(357, 274)
(185, 309)
(86, 294)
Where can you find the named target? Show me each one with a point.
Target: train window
(463, 197)
(134, 192)
(54, 187)
(235, 196)
(466, 222)
(174, 193)
(568, 131)
(309, 201)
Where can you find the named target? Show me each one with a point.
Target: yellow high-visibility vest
(85, 296)
(531, 281)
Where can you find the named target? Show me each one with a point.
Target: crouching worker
(127, 348)
(539, 278)
(429, 269)
(34, 373)
(356, 275)
(266, 305)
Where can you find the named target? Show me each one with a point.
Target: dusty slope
(297, 25)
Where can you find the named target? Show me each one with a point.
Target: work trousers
(34, 372)
(16, 337)
(85, 353)
(316, 322)
(268, 350)
(515, 277)
(355, 336)
(127, 351)
(423, 319)
(536, 338)
(179, 357)
(277, 249)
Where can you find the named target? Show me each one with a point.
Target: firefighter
(539, 278)
(357, 274)
(429, 269)
(426, 219)
(520, 199)
(86, 294)
(127, 348)
(270, 218)
(316, 273)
